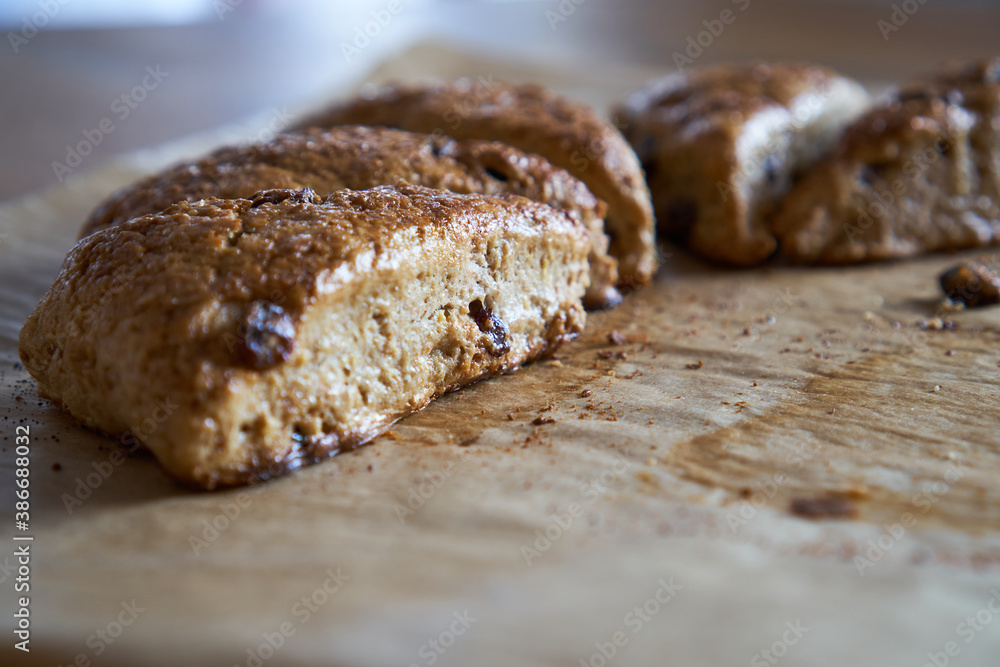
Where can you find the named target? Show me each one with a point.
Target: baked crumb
(823, 508)
(972, 284)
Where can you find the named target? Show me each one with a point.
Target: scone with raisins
(919, 173)
(285, 328)
(359, 158)
(534, 120)
(721, 146)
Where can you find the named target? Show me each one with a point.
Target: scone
(359, 158)
(276, 331)
(917, 174)
(721, 145)
(535, 120)
(975, 86)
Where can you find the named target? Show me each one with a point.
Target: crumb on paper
(615, 338)
(949, 306)
(539, 421)
(823, 508)
(860, 491)
(934, 324)
(695, 366)
(645, 476)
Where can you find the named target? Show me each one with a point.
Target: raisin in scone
(359, 158)
(283, 329)
(535, 120)
(721, 145)
(917, 174)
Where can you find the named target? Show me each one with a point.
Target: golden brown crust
(256, 336)
(359, 158)
(917, 174)
(535, 120)
(721, 145)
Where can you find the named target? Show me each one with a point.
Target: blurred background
(163, 69)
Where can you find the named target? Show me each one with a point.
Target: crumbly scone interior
(377, 349)
(263, 335)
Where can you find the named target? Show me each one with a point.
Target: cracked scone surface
(277, 331)
(919, 173)
(534, 120)
(359, 158)
(721, 145)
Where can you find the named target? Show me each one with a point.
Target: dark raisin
(823, 508)
(916, 94)
(495, 173)
(681, 217)
(868, 175)
(491, 325)
(771, 166)
(269, 336)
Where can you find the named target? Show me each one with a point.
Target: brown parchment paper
(628, 503)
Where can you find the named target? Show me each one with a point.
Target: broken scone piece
(917, 174)
(971, 283)
(721, 145)
(286, 328)
(534, 120)
(359, 158)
